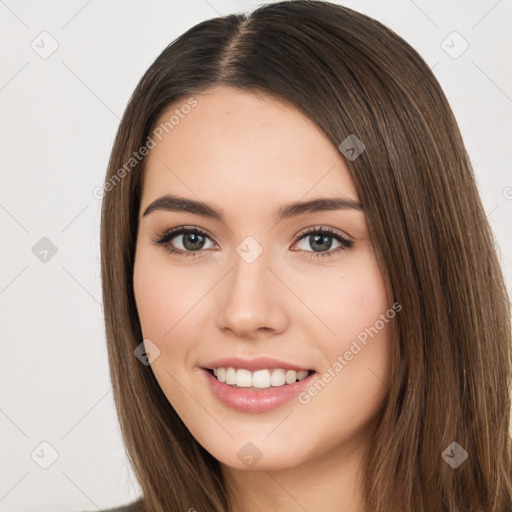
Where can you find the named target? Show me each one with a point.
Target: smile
(260, 390)
(259, 379)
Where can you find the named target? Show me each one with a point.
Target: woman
(304, 308)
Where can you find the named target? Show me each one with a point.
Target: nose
(251, 300)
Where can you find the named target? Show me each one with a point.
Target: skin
(249, 154)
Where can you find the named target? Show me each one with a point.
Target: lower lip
(256, 401)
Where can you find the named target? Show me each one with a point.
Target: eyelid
(345, 242)
(166, 236)
(324, 229)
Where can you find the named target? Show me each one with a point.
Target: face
(289, 311)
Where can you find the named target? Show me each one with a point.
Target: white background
(59, 116)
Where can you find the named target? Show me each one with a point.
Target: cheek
(152, 298)
(350, 301)
(356, 308)
(166, 299)
(357, 360)
(167, 302)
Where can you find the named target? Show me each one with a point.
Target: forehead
(241, 147)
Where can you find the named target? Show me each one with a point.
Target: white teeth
(230, 376)
(278, 378)
(291, 376)
(260, 379)
(243, 378)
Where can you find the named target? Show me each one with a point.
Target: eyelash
(163, 239)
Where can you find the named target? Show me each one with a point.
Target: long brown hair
(451, 355)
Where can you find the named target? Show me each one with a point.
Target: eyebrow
(173, 203)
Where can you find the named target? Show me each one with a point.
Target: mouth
(260, 379)
(258, 391)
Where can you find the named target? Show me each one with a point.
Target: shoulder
(134, 506)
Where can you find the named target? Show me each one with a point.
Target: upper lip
(254, 363)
